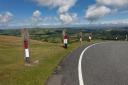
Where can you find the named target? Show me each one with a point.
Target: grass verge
(12, 68)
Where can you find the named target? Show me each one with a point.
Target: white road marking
(81, 82)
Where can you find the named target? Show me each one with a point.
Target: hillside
(12, 68)
(55, 35)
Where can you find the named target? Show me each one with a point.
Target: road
(100, 64)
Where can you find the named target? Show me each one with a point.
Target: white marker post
(66, 41)
(126, 38)
(25, 35)
(90, 38)
(81, 37)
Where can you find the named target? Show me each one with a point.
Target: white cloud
(36, 17)
(66, 5)
(5, 17)
(67, 18)
(37, 13)
(63, 5)
(104, 7)
(95, 12)
(117, 3)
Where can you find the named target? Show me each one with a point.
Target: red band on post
(65, 37)
(26, 44)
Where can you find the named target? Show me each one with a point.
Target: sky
(32, 13)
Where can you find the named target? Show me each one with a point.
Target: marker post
(126, 38)
(90, 37)
(25, 35)
(81, 39)
(66, 41)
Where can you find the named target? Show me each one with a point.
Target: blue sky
(25, 8)
(47, 12)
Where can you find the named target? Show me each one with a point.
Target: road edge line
(81, 82)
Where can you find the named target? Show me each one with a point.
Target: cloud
(63, 5)
(37, 13)
(6, 17)
(36, 17)
(95, 12)
(105, 7)
(116, 3)
(67, 18)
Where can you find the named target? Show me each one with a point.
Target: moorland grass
(12, 68)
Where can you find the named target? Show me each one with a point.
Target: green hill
(12, 68)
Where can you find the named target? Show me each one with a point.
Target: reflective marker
(65, 41)
(26, 48)
(26, 52)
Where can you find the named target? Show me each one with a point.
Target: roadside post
(126, 38)
(90, 37)
(25, 36)
(66, 41)
(81, 37)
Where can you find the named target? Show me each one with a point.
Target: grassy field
(12, 68)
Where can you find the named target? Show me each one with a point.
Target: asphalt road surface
(100, 64)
